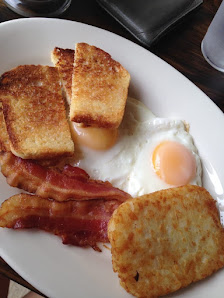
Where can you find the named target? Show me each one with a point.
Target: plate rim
(209, 102)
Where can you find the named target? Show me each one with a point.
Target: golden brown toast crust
(166, 240)
(34, 112)
(63, 59)
(99, 88)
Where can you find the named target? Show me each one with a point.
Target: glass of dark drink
(33, 8)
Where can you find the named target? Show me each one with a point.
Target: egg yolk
(174, 163)
(93, 137)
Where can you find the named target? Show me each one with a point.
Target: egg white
(127, 165)
(143, 178)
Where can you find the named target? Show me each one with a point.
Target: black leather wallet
(148, 20)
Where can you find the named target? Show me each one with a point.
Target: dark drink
(29, 8)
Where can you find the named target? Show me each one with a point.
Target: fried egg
(145, 155)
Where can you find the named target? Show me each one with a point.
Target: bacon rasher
(72, 183)
(81, 223)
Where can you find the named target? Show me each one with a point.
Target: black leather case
(148, 20)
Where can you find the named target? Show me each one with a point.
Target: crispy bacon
(72, 183)
(80, 223)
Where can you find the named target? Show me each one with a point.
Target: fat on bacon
(72, 183)
(80, 223)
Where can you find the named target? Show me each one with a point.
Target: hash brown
(166, 240)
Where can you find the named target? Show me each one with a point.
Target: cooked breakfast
(163, 241)
(102, 167)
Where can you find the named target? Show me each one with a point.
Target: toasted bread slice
(99, 88)
(4, 138)
(63, 59)
(166, 240)
(34, 112)
(5, 146)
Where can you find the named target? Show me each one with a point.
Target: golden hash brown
(166, 240)
(99, 88)
(34, 112)
(4, 138)
(63, 59)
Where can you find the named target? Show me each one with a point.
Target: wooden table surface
(181, 48)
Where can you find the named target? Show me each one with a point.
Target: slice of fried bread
(99, 88)
(63, 59)
(34, 112)
(4, 138)
(166, 240)
(5, 146)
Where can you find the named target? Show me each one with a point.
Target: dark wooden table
(181, 48)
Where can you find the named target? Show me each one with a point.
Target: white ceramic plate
(65, 271)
